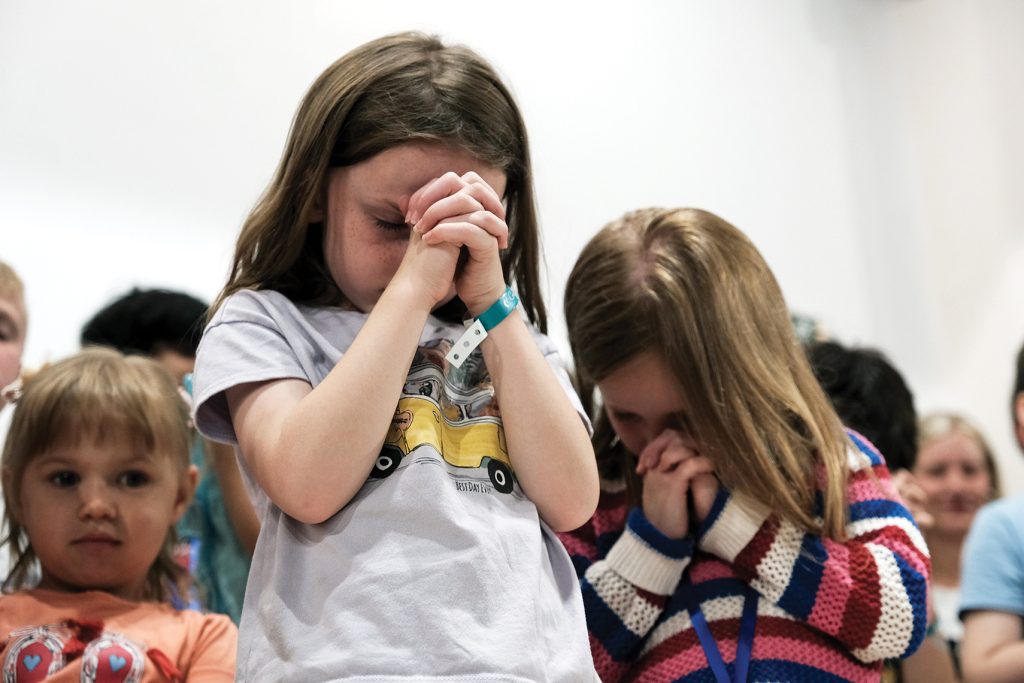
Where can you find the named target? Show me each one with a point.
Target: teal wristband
(499, 310)
(476, 330)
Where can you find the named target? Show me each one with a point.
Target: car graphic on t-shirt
(476, 442)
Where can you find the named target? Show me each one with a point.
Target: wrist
(480, 304)
(408, 293)
(646, 558)
(500, 310)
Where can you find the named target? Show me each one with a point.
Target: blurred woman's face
(953, 473)
(12, 338)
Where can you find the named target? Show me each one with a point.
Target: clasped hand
(673, 469)
(450, 215)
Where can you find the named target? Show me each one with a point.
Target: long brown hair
(688, 285)
(407, 87)
(96, 394)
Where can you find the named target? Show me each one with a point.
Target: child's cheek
(10, 362)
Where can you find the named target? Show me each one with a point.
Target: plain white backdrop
(870, 148)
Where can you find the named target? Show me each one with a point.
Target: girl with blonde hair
(96, 472)
(741, 533)
(957, 472)
(13, 322)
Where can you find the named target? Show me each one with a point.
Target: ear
(316, 214)
(12, 499)
(186, 491)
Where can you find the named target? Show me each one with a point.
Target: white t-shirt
(946, 603)
(440, 567)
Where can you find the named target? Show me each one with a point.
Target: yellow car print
(472, 443)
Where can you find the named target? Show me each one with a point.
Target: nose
(97, 502)
(955, 480)
(647, 437)
(647, 434)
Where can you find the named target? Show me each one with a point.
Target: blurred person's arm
(221, 458)
(992, 650)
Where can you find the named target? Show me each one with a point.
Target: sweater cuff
(733, 522)
(647, 558)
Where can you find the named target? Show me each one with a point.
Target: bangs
(101, 396)
(71, 424)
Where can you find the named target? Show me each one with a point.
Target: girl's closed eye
(391, 226)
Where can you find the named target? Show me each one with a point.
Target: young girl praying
(741, 534)
(410, 470)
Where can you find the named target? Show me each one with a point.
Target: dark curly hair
(870, 396)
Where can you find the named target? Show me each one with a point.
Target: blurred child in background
(13, 325)
(219, 529)
(96, 472)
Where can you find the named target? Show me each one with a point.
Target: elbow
(892, 645)
(309, 511)
(576, 505)
(304, 504)
(569, 523)
(573, 511)
(311, 500)
(305, 496)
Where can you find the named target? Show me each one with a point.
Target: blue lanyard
(707, 641)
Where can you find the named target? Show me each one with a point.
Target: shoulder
(248, 303)
(208, 622)
(18, 602)
(862, 454)
(274, 311)
(1003, 513)
(192, 624)
(995, 541)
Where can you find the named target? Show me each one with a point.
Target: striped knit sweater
(827, 611)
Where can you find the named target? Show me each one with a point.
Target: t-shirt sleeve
(993, 562)
(243, 343)
(213, 656)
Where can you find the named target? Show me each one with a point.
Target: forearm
(625, 591)
(547, 440)
(1003, 664)
(312, 453)
(992, 650)
(868, 591)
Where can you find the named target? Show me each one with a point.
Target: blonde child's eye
(133, 479)
(64, 479)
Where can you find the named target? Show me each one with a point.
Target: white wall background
(871, 148)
